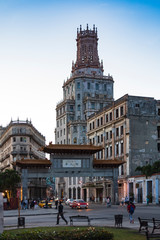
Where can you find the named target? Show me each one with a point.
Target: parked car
(42, 204)
(69, 201)
(79, 203)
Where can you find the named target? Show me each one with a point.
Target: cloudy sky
(37, 46)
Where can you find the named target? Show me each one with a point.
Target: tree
(9, 180)
(148, 170)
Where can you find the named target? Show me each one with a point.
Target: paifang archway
(79, 161)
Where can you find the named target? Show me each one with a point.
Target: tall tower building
(84, 93)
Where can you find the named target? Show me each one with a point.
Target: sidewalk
(110, 222)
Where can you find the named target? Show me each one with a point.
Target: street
(47, 217)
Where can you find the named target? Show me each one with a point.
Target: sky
(38, 44)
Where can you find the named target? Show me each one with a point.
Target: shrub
(90, 233)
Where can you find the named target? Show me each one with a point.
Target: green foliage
(9, 180)
(148, 170)
(90, 233)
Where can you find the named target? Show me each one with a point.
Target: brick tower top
(87, 51)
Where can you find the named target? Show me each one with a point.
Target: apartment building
(129, 130)
(19, 140)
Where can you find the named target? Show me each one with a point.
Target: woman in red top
(130, 209)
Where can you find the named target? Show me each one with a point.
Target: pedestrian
(32, 204)
(56, 203)
(46, 203)
(108, 202)
(131, 208)
(126, 200)
(60, 213)
(122, 201)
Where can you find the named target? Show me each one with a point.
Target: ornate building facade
(129, 131)
(20, 142)
(87, 91)
(20, 139)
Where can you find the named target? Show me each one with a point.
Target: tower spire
(87, 49)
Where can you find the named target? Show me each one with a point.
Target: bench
(156, 224)
(154, 236)
(79, 218)
(144, 223)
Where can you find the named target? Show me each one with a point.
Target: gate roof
(71, 149)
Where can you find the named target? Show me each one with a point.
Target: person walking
(60, 213)
(131, 208)
(56, 203)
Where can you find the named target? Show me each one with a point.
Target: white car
(69, 201)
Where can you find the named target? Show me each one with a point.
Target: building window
(159, 111)
(110, 151)
(78, 96)
(122, 170)
(71, 107)
(97, 86)
(121, 111)
(107, 152)
(106, 118)
(93, 140)
(121, 130)
(88, 85)
(58, 134)
(92, 105)
(110, 133)
(61, 133)
(101, 137)
(64, 120)
(75, 140)
(137, 105)
(102, 154)
(14, 139)
(110, 116)
(98, 139)
(117, 132)
(78, 85)
(158, 131)
(93, 125)
(121, 147)
(64, 131)
(101, 120)
(117, 113)
(57, 123)
(60, 122)
(117, 150)
(79, 107)
(106, 135)
(90, 126)
(23, 139)
(97, 122)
